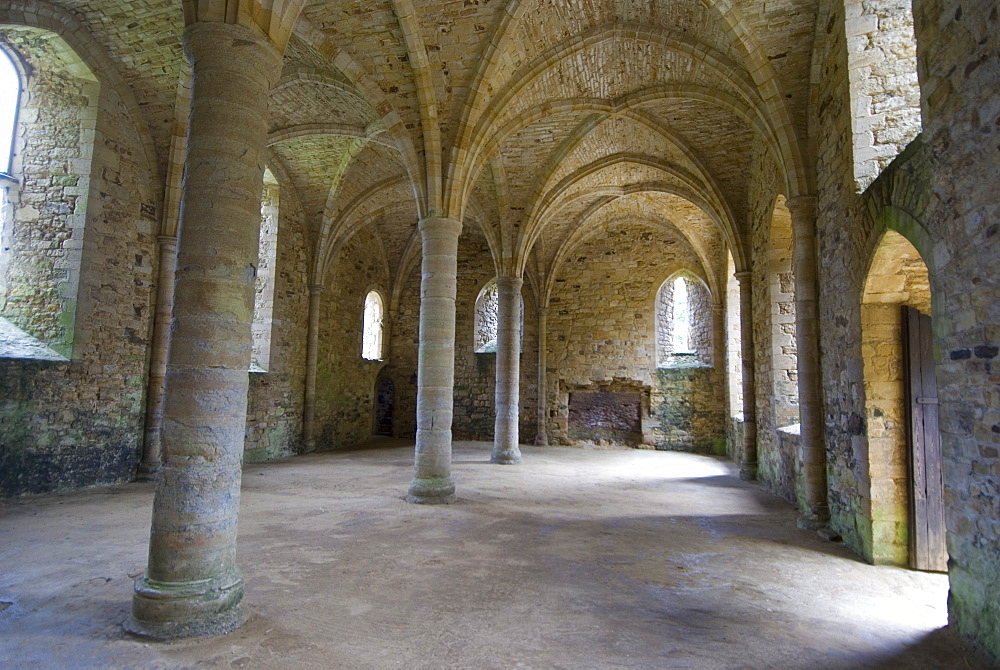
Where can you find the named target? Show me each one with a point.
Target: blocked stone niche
(608, 413)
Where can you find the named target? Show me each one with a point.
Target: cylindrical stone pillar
(312, 356)
(432, 482)
(505, 430)
(812, 450)
(151, 444)
(542, 436)
(748, 466)
(192, 585)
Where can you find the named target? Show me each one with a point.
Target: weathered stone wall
(79, 423)
(602, 331)
(841, 233)
(345, 382)
(958, 47)
(773, 307)
(275, 400)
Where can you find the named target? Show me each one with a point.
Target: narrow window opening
(267, 252)
(371, 348)
(682, 323)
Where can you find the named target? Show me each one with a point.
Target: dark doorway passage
(384, 394)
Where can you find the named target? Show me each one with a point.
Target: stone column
(151, 445)
(312, 354)
(192, 585)
(748, 467)
(432, 482)
(812, 450)
(542, 438)
(505, 432)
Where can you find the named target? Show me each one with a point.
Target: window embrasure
(885, 91)
(683, 322)
(46, 148)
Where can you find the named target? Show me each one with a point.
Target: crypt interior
(648, 295)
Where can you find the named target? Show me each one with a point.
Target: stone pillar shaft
(192, 585)
(542, 437)
(312, 357)
(748, 467)
(152, 443)
(508, 383)
(432, 482)
(811, 444)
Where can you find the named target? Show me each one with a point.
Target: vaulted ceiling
(534, 120)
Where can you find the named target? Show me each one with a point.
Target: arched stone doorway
(905, 494)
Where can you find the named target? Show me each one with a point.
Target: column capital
(216, 43)
(316, 289)
(742, 276)
(439, 224)
(800, 205)
(167, 241)
(509, 282)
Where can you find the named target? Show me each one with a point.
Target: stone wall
(958, 46)
(773, 315)
(345, 382)
(79, 423)
(602, 319)
(841, 231)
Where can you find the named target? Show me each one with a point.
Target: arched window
(10, 97)
(486, 322)
(50, 116)
(487, 309)
(683, 322)
(371, 346)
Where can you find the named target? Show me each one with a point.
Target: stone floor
(574, 559)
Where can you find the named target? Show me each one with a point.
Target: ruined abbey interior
(235, 231)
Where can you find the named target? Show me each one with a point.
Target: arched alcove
(781, 278)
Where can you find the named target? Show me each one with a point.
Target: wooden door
(928, 550)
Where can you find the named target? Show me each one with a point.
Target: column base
(748, 471)
(542, 440)
(146, 472)
(815, 518)
(174, 610)
(511, 456)
(431, 491)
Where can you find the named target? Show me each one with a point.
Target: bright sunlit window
(10, 93)
(371, 347)
(682, 321)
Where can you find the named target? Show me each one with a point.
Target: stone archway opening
(904, 476)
